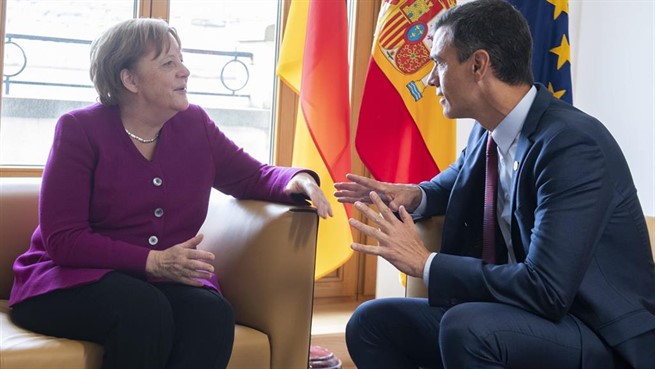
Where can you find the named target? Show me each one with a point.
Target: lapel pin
(516, 165)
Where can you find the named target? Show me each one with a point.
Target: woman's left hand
(305, 184)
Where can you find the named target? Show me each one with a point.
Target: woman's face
(160, 82)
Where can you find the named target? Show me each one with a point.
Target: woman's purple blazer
(103, 206)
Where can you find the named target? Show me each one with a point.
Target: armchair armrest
(265, 261)
(430, 230)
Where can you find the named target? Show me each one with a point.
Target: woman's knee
(204, 328)
(203, 310)
(139, 307)
(218, 311)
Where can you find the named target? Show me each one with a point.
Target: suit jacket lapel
(541, 102)
(466, 199)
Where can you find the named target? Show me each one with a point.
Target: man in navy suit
(573, 280)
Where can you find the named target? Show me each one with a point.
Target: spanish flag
(402, 135)
(314, 63)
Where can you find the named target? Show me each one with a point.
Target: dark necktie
(490, 193)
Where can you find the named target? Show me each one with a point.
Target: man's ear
(129, 80)
(481, 63)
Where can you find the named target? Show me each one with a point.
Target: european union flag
(551, 59)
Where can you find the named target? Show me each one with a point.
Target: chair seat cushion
(20, 349)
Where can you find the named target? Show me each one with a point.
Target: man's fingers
(359, 179)
(356, 182)
(369, 213)
(368, 249)
(366, 229)
(351, 199)
(358, 225)
(386, 212)
(354, 177)
(377, 201)
(348, 186)
(405, 216)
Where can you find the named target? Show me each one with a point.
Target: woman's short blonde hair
(120, 47)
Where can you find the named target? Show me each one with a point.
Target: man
(567, 280)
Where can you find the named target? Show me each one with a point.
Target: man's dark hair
(496, 27)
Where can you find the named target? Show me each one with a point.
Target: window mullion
(3, 20)
(155, 9)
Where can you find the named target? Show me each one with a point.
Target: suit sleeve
(569, 185)
(438, 189)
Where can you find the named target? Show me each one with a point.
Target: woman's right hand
(181, 263)
(392, 194)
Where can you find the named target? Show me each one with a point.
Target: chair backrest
(19, 217)
(265, 261)
(430, 230)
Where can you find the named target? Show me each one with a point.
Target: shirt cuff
(426, 269)
(424, 202)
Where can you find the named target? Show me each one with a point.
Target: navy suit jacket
(578, 230)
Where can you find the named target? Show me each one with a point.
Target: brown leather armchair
(265, 261)
(430, 230)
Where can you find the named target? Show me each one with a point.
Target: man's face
(453, 80)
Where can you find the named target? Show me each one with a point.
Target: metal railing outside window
(230, 68)
(229, 47)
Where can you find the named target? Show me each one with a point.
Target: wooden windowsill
(10, 171)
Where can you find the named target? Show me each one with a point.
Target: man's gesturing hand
(399, 242)
(392, 194)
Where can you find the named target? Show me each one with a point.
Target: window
(230, 49)
(229, 46)
(46, 69)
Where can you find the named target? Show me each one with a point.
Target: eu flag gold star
(563, 52)
(557, 94)
(560, 6)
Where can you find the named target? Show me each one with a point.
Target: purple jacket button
(152, 240)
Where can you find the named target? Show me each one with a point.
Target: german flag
(314, 63)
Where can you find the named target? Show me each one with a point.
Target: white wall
(612, 52)
(613, 63)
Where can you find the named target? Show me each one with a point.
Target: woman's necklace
(142, 140)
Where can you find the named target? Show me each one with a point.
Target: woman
(125, 191)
